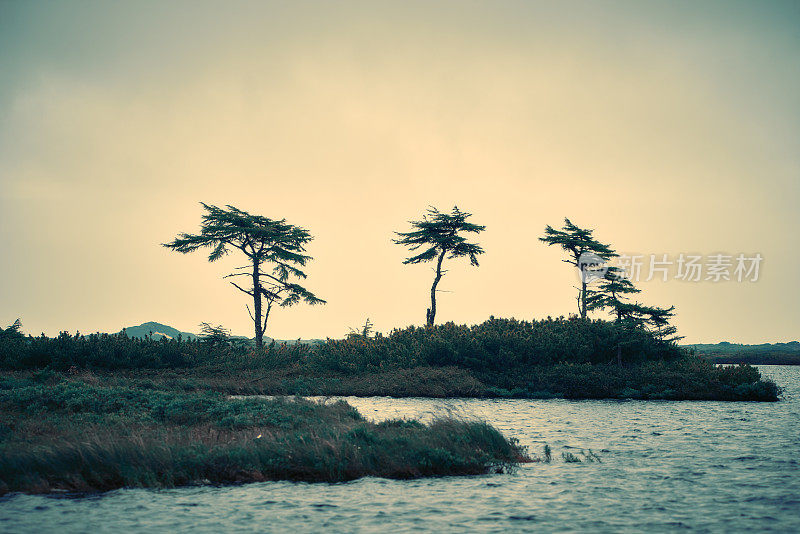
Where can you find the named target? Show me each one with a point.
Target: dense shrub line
(560, 357)
(494, 344)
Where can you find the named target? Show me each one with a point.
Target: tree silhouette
(576, 242)
(214, 335)
(438, 233)
(611, 294)
(265, 242)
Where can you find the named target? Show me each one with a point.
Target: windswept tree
(439, 234)
(579, 244)
(612, 294)
(267, 244)
(13, 331)
(214, 335)
(651, 318)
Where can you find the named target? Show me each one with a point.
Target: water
(666, 466)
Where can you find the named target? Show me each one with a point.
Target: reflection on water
(708, 466)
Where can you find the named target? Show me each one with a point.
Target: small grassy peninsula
(60, 433)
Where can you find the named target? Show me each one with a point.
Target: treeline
(496, 344)
(762, 354)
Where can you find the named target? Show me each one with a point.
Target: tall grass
(66, 434)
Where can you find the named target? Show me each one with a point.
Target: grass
(60, 433)
(690, 378)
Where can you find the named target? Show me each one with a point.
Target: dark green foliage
(108, 351)
(70, 435)
(494, 344)
(687, 378)
(439, 234)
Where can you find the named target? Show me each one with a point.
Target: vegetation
(560, 357)
(263, 241)
(74, 434)
(440, 235)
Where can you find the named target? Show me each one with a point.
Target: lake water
(666, 466)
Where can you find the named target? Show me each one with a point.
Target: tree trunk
(583, 297)
(582, 292)
(431, 313)
(266, 318)
(257, 306)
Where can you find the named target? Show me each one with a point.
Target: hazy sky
(669, 127)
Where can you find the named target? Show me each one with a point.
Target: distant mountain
(157, 331)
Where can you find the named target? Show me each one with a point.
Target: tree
(611, 293)
(578, 242)
(12, 332)
(214, 335)
(363, 331)
(265, 242)
(439, 233)
(653, 319)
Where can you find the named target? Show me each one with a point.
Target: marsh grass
(67, 434)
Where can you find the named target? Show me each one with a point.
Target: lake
(664, 466)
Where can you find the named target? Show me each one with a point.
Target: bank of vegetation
(80, 434)
(554, 357)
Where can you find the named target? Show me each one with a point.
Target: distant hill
(157, 331)
(764, 353)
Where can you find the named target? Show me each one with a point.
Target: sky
(667, 127)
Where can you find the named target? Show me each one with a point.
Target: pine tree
(576, 242)
(265, 242)
(612, 292)
(439, 233)
(654, 319)
(214, 335)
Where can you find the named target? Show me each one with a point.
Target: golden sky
(669, 127)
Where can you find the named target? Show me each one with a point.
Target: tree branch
(240, 289)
